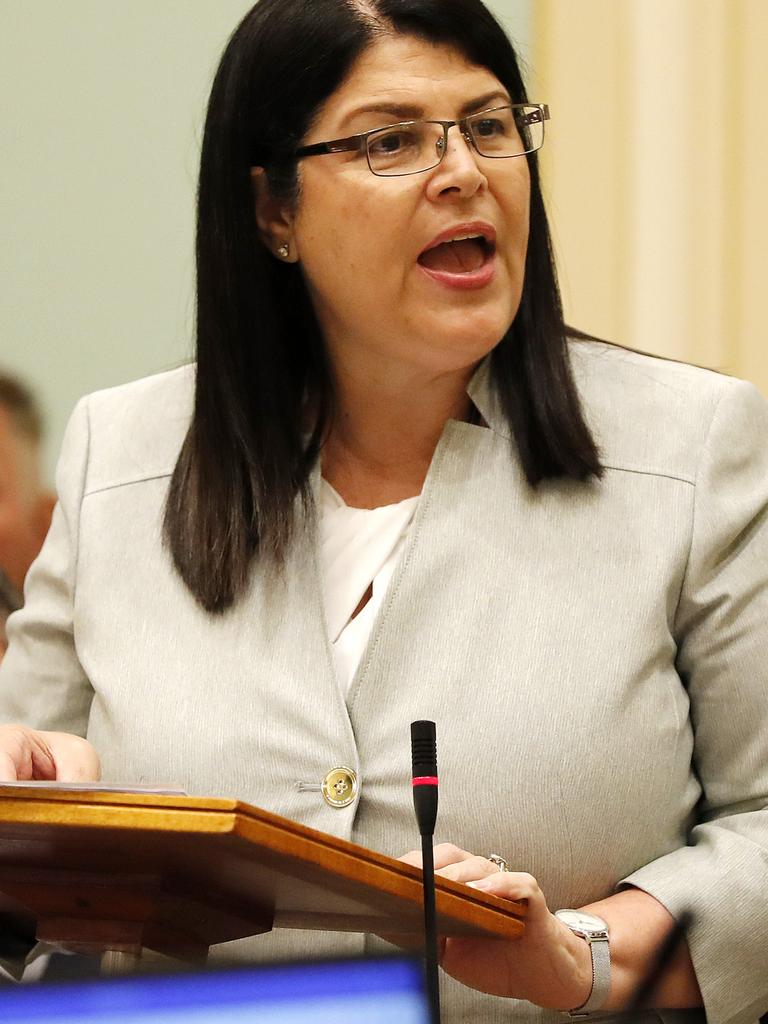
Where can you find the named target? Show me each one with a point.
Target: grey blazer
(594, 656)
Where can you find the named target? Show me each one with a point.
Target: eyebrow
(410, 111)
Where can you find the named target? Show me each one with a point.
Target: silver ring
(499, 861)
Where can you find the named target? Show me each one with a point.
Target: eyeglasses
(414, 146)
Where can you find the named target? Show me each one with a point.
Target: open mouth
(463, 255)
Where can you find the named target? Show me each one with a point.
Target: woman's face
(384, 306)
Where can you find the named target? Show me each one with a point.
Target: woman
(400, 492)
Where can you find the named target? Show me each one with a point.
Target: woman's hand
(548, 965)
(27, 754)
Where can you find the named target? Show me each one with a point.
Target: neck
(386, 431)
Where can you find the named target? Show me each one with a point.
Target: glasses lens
(405, 148)
(507, 131)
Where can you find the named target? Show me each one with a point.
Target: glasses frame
(359, 143)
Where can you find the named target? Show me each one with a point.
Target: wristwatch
(595, 931)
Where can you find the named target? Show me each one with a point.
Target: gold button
(340, 787)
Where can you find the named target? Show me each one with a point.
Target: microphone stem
(430, 928)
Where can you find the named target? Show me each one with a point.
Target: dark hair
(24, 410)
(242, 474)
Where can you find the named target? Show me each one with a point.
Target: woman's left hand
(548, 965)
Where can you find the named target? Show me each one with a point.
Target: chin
(473, 333)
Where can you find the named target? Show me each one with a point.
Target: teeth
(462, 238)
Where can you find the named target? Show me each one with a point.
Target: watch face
(581, 921)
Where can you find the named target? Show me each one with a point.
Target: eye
(392, 142)
(489, 126)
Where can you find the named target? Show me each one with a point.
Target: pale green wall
(517, 18)
(101, 105)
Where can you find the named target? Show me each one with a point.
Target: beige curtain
(656, 171)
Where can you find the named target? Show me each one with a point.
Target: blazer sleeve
(42, 683)
(721, 876)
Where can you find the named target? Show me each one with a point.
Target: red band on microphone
(425, 780)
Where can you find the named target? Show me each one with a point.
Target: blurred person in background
(25, 504)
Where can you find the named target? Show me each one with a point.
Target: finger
(76, 760)
(443, 854)
(412, 857)
(513, 885)
(24, 755)
(469, 870)
(43, 761)
(9, 771)
(448, 853)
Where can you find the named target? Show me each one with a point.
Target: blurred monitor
(371, 991)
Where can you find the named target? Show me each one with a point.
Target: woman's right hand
(27, 754)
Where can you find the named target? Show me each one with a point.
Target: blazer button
(340, 787)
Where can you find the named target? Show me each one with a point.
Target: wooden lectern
(124, 872)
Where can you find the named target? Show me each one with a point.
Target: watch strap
(601, 977)
(594, 931)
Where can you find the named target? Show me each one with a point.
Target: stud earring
(284, 251)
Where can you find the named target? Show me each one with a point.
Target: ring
(500, 863)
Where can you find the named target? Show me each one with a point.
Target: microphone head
(423, 749)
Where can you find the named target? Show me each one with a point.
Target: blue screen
(333, 992)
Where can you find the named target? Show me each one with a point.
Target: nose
(459, 171)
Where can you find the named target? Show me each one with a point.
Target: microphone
(424, 769)
(424, 780)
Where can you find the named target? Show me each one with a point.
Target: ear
(273, 218)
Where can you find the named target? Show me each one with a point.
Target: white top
(359, 547)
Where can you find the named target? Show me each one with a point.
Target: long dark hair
(242, 473)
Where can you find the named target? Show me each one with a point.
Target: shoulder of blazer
(648, 414)
(135, 430)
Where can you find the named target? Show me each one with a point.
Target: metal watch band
(601, 977)
(594, 931)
